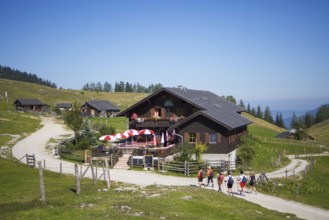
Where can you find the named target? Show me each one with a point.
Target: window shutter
(186, 137)
(197, 137)
(219, 136)
(207, 137)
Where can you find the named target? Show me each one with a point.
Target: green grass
(20, 199)
(320, 132)
(313, 190)
(16, 123)
(119, 123)
(51, 96)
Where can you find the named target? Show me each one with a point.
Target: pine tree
(268, 115)
(294, 121)
(231, 99)
(241, 104)
(259, 113)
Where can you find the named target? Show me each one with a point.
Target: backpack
(230, 180)
(244, 179)
(200, 176)
(212, 174)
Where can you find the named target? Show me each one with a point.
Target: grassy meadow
(51, 96)
(20, 199)
(19, 185)
(313, 189)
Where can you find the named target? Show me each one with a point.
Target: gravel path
(36, 143)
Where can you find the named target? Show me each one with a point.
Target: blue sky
(267, 52)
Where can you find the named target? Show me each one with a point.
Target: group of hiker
(228, 180)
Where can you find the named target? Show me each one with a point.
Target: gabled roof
(213, 106)
(63, 105)
(29, 101)
(101, 105)
(284, 134)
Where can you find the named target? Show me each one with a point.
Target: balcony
(153, 122)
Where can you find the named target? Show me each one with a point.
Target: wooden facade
(196, 116)
(30, 105)
(99, 108)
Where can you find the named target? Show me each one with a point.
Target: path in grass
(36, 143)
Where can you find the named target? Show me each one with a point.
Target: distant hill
(14, 74)
(51, 96)
(287, 115)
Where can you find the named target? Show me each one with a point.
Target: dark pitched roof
(29, 101)
(284, 134)
(63, 105)
(101, 105)
(213, 106)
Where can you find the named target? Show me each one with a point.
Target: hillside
(262, 128)
(320, 132)
(51, 96)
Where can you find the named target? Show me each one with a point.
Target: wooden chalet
(63, 106)
(30, 105)
(99, 108)
(191, 116)
(296, 135)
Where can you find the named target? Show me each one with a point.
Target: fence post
(188, 169)
(297, 190)
(185, 168)
(60, 168)
(286, 173)
(107, 174)
(44, 164)
(77, 178)
(92, 172)
(42, 184)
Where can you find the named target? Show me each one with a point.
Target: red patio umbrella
(131, 132)
(146, 132)
(107, 138)
(120, 136)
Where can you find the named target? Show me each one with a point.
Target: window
(192, 137)
(213, 138)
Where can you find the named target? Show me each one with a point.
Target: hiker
(200, 177)
(243, 180)
(210, 174)
(252, 182)
(220, 179)
(230, 181)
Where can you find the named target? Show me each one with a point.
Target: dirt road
(36, 143)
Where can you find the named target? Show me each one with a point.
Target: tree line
(259, 113)
(301, 122)
(13, 74)
(121, 87)
(310, 119)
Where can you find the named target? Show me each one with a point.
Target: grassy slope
(52, 96)
(262, 128)
(20, 193)
(320, 132)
